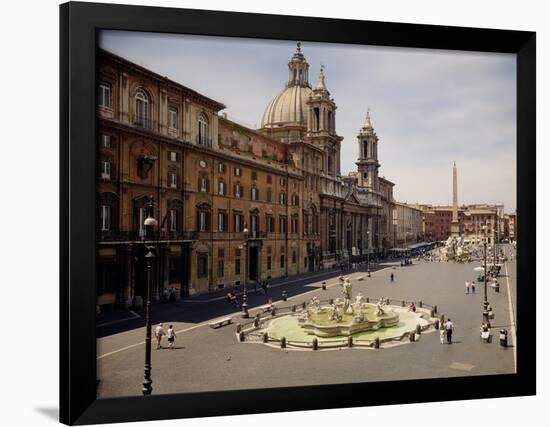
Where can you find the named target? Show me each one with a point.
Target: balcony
(204, 142)
(143, 122)
(136, 236)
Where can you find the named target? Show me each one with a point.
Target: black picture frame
(79, 24)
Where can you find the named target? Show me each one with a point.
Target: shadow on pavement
(196, 311)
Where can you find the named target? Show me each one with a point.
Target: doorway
(253, 263)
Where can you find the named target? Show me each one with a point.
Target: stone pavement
(211, 359)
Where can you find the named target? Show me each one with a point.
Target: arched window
(202, 136)
(142, 109)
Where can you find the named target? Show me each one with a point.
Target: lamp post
(150, 224)
(245, 295)
(485, 265)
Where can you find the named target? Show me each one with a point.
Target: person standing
(449, 331)
(467, 287)
(391, 277)
(159, 333)
(473, 286)
(171, 334)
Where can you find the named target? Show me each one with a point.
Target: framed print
(299, 212)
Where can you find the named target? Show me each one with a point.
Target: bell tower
(367, 162)
(321, 126)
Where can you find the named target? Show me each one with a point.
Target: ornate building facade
(166, 150)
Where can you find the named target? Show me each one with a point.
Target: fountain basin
(319, 323)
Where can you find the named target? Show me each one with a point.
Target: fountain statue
(343, 317)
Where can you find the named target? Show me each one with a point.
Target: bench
(221, 322)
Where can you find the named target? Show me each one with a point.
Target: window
(295, 199)
(238, 190)
(203, 221)
(203, 184)
(254, 175)
(282, 224)
(106, 141)
(221, 187)
(293, 257)
(269, 195)
(105, 95)
(269, 262)
(254, 225)
(237, 266)
(202, 136)
(202, 265)
(172, 156)
(222, 221)
(254, 194)
(106, 217)
(282, 261)
(283, 182)
(238, 222)
(282, 198)
(269, 179)
(105, 169)
(221, 168)
(141, 218)
(269, 223)
(142, 109)
(294, 224)
(173, 118)
(173, 180)
(173, 215)
(237, 171)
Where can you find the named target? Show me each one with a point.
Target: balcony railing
(136, 235)
(143, 122)
(203, 141)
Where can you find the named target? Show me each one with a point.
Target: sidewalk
(213, 304)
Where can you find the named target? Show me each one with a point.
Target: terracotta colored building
(165, 145)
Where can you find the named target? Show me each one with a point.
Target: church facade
(168, 151)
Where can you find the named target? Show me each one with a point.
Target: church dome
(288, 107)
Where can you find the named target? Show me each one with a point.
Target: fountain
(344, 318)
(343, 322)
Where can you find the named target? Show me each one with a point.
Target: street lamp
(150, 225)
(245, 296)
(484, 227)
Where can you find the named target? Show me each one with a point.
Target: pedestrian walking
(467, 287)
(159, 333)
(449, 327)
(473, 286)
(442, 333)
(391, 277)
(171, 334)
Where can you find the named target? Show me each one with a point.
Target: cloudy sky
(429, 108)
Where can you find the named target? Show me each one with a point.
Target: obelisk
(455, 228)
